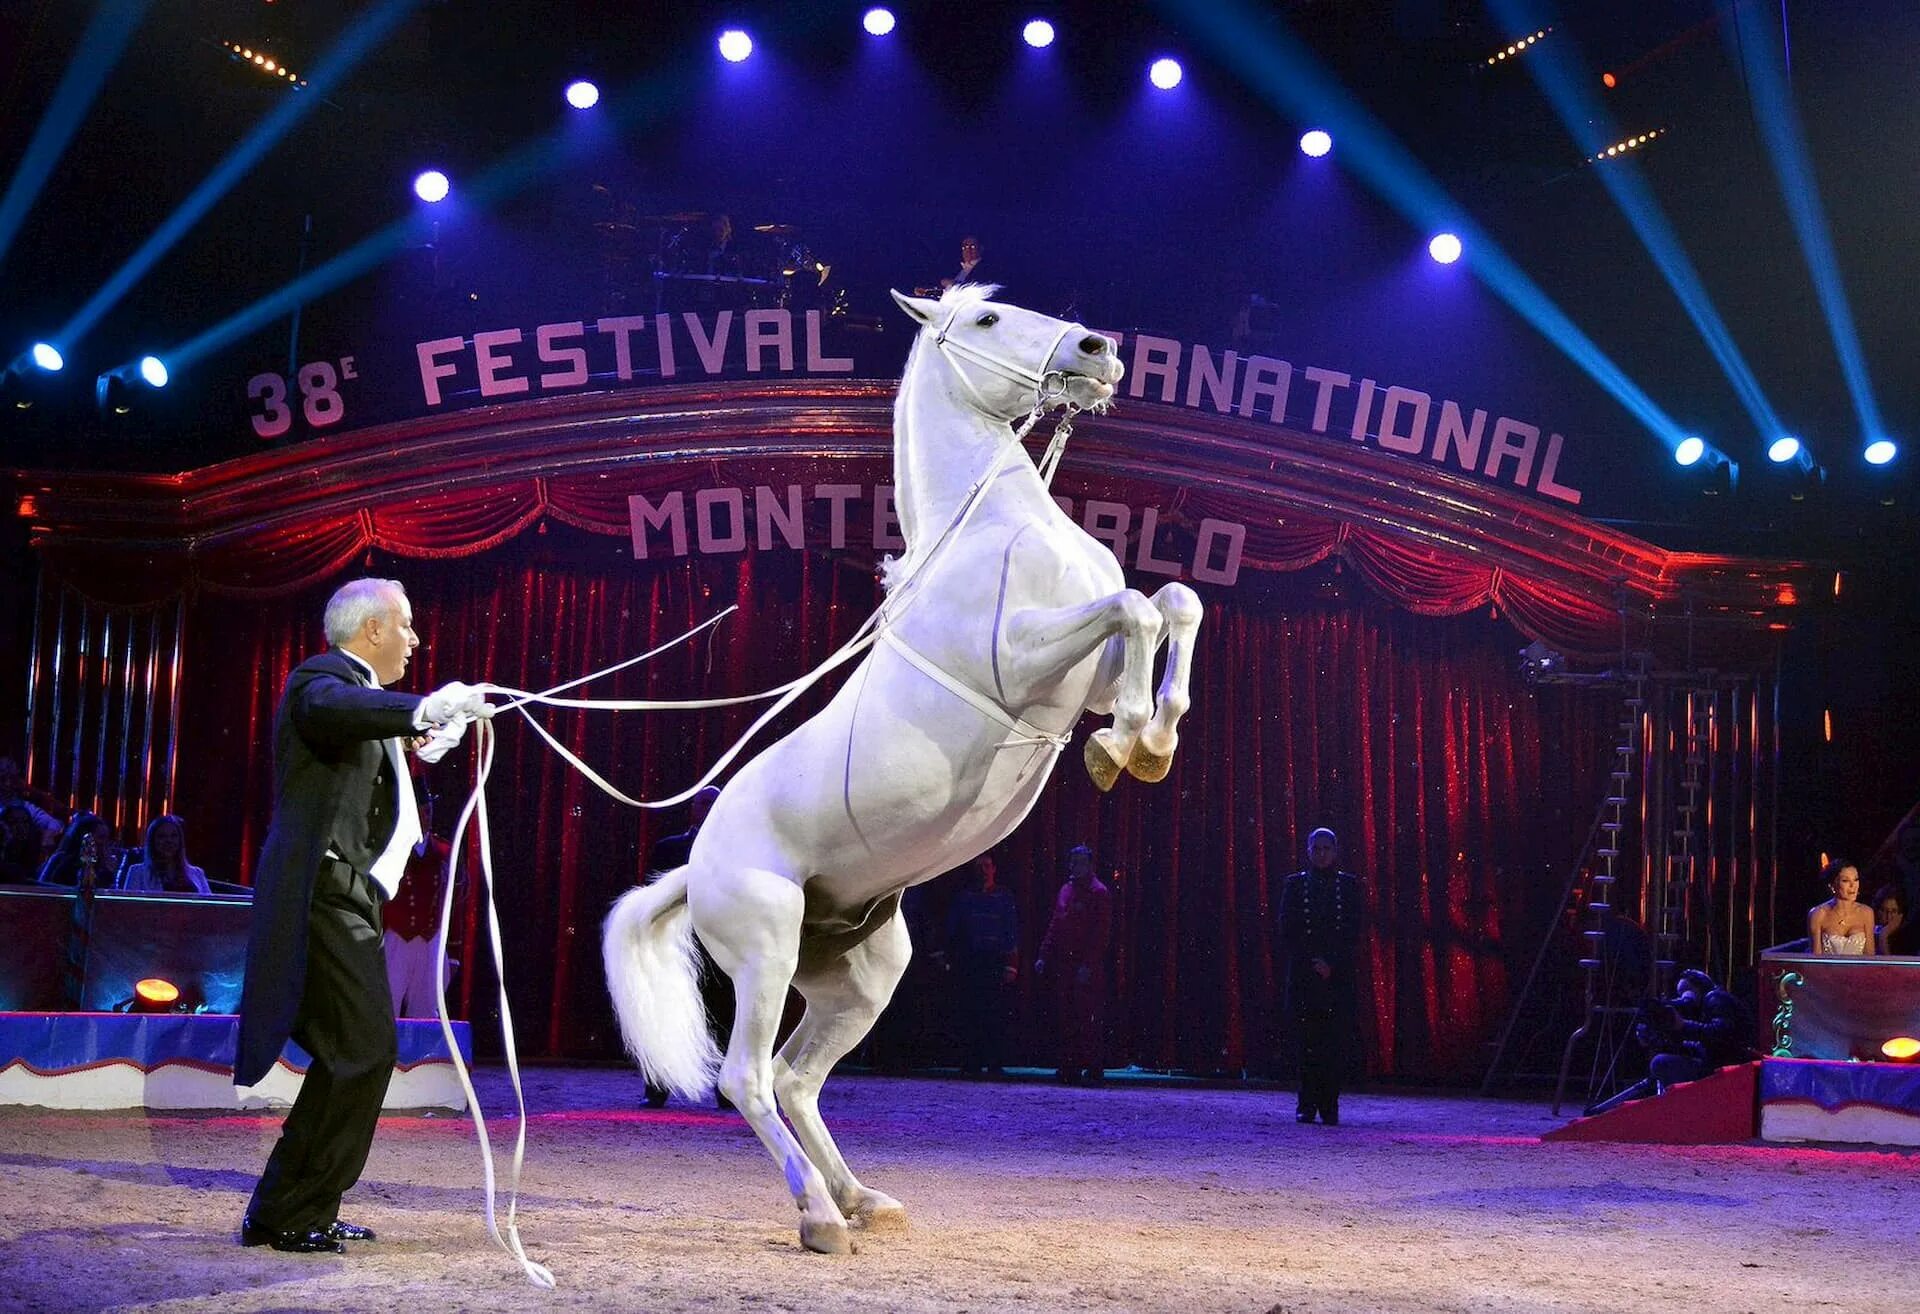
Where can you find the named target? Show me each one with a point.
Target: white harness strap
(1024, 731)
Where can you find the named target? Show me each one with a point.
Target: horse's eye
(987, 320)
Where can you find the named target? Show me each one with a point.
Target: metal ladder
(1675, 890)
(1598, 1010)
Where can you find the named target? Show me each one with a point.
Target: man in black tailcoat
(1320, 936)
(344, 821)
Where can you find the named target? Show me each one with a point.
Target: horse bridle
(1048, 386)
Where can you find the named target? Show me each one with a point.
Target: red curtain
(1460, 793)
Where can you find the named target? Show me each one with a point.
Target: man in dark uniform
(983, 951)
(1320, 937)
(343, 823)
(1073, 955)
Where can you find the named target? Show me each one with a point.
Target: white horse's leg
(1050, 641)
(1153, 754)
(844, 995)
(750, 922)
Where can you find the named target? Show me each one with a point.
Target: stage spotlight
(735, 45)
(1785, 448)
(1316, 143)
(1880, 451)
(432, 186)
(1038, 34)
(1444, 247)
(154, 995)
(1707, 465)
(1165, 74)
(116, 392)
(1901, 1049)
(582, 94)
(1626, 145)
(1609, 81)
(878, 22)
(28, 379)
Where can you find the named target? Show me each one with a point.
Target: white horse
(1003, 622)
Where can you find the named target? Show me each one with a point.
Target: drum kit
(694, 260)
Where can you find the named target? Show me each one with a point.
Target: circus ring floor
(1023, 1196)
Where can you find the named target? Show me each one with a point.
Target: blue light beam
(99, 50)
(506, 177)
(1271, 61)
(1787, 147)
(1554, 68)
(346, 53)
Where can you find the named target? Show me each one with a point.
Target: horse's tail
(653, 972)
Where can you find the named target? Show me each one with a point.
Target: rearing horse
(1003, 622)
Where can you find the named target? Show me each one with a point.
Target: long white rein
(1048, 392)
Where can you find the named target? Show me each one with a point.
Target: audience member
(20, 849)
(1842, 926)
(1073, 955)
(983, 949)
(63, 867)
(13, 789)
(1899, 931)
(671, 851)
(970, 270)
(164, 865)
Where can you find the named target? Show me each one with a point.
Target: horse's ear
(920, 308)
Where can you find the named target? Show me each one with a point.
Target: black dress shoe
(1330, 1116)
(297, 1241)
(1303, 1115)
(343, 1231)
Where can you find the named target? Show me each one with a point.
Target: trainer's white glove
(441, 739)
(452, 700)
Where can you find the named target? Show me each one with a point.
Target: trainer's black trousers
(346, 1024)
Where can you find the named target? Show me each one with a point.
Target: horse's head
(1011, 361)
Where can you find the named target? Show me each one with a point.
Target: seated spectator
(1842, 926)
(19, 845)
(166, 867)
(63, 868)
(1899, 932)
(13, 789)
(1700, 1030)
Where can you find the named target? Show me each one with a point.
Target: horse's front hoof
(1148, 766)
(825, 1236)
(1100, 764)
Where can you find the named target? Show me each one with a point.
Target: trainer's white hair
(357, 600)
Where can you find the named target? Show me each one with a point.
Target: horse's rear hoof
(825, 1237)
(1147, 766)
(888, 1219)
(1100, 764)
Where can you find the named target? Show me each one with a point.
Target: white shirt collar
(365, 668)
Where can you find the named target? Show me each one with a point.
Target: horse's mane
(894, 569)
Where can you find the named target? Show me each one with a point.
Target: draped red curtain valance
(1431, 540)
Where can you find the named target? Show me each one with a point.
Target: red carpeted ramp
(1714, 1110)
